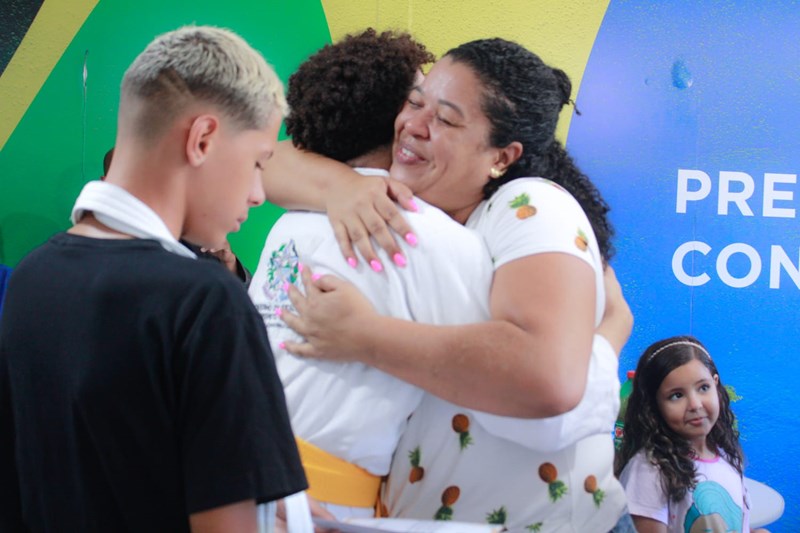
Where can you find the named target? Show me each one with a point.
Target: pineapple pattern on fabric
(417, 472)
(582, 241)
(549, 474)
(497, 517)
(499, 477)
(283, 268)
(449, 498)
(461, 426)
(522, 204)
(590, 486)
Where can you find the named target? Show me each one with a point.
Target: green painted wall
(59, 143)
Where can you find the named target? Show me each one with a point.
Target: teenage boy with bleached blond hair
(137, 388)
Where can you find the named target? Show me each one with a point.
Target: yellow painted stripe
(49, 35)
(562, 33)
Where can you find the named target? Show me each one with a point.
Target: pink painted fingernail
(278, 312)
(315, 277)
(411, 239)
(376, 265)
(282, 346)
(399, 260)
(285, 286)
(352, 261)
(300, 267)
(413, 205)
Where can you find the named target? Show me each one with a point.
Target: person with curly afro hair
(343, 100)
(348, 417)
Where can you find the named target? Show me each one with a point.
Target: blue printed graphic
(713, 510)
(689, 127)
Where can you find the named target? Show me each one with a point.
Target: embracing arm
(297, 179)
(617, 321)
(359, 206)
(529, 361)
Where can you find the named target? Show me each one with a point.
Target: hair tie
(688, 343)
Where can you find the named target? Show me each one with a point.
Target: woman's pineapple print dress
(530, 475)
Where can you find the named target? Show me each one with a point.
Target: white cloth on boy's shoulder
(118, 209)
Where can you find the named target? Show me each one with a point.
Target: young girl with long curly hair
(680, 461)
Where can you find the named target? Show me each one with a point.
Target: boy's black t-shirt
(136, 387)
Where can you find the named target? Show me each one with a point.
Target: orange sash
(334, 480)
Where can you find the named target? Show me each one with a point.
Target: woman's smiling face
(441, 145)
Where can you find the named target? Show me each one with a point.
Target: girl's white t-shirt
(719, 501)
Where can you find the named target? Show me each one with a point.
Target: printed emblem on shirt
(282, 269)
(713, 509)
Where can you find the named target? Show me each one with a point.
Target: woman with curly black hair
(681, 461)
(484, 118)
(348, 417)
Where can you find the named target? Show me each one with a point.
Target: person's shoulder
(43, 250)
(428, 215)
(432, 223)
(522, 190)
(204, 273)
(638, 465)
(181, 274)
(298, 222)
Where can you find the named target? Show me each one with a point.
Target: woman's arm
(359, 206)
(529, 361)
(617, 322)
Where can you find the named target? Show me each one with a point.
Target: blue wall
(681, 97)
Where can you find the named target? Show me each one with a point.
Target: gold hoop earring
(495, 173)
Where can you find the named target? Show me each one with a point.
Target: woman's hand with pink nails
(331, 317)
(363, 209)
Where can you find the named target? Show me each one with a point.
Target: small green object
(444, 513)
(498, 516)
(414, 456)
(520, 201)
(732, 393)
(557, 490)
(598, 496)
(535, 528)
(464, 439)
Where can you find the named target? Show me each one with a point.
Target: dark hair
(107, 161)
(343, 99)
(522, 99)
(645, 428)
